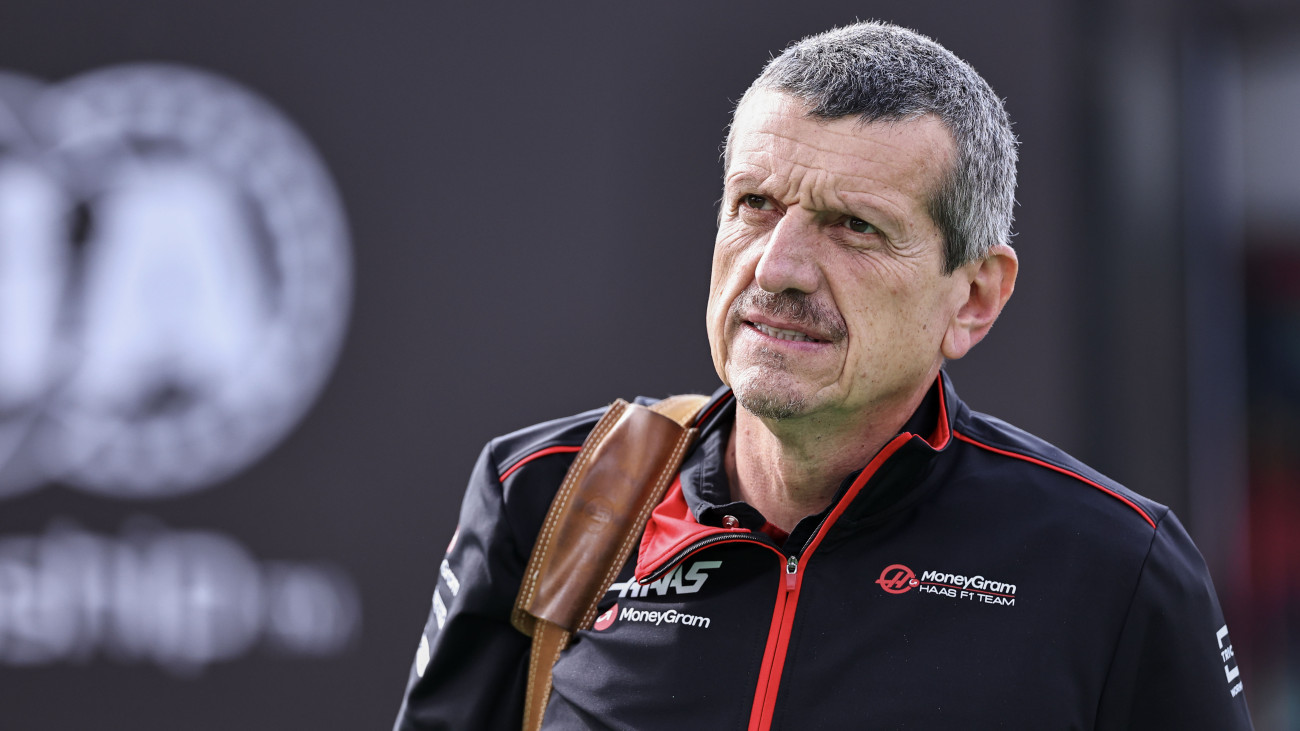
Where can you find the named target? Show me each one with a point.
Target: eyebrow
(743, 179)
(877, 214)
(857, 209)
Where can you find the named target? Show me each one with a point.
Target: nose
(788, 260)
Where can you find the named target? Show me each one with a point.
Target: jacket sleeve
(1174, 667)
(469, 670)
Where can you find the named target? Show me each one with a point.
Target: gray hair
(881, 72)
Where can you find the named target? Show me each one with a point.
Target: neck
(791, 468)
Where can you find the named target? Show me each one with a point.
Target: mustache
(791, 306)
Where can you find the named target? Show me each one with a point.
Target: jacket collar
(696, 503)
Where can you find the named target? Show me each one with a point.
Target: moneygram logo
(175, 279)
(606, 620)
(897, 579)
(663, 616)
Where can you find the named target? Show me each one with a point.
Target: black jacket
(970, 576)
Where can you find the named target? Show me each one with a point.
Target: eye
(757, 202)
(857, 225)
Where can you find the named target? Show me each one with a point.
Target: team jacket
(970, 576)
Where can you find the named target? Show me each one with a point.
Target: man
(848, 545)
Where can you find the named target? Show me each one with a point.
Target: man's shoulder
(510, 453)
(1053, 479)
(542, 447)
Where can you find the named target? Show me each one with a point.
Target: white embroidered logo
(1230, 668)
(680, 580)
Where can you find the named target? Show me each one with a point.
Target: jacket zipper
(760, 718)
(760, 713)
(769, 679)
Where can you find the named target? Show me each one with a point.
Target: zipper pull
(791, 572)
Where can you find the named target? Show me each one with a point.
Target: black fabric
(1046, 596)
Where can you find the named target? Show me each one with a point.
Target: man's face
(828, 295)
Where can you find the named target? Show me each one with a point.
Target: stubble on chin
(760, 387)
(759, 390)
(772, 407)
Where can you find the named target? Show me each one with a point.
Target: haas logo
(897, 579)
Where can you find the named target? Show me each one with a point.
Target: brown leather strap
(682, 408)
(621, 473)
(549, 641)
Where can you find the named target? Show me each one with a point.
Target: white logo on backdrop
(179, 599)
(174, 280)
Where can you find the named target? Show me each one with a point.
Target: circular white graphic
(175, 279)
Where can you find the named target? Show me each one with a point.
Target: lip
(753, 322)
(750, 331)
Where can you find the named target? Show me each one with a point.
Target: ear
(991, 282)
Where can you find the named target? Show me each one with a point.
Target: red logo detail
(897, 579)
(605, 620)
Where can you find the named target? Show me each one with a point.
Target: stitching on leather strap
(533, 571)
(650, 500)
(549, 642)
(530, 695)
(550, 639)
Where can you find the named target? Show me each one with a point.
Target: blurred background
(271, 273)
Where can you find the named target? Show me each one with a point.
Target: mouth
(777, 333)
(787, 320)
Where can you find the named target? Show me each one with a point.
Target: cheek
(731, 274)
(895, 323)
(923, 322)
(728, 250)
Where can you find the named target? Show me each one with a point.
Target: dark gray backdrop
(531, 194)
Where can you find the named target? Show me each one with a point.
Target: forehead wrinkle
(849, 128)
(877, 171)
(792, 113)
(796, 182)
(906, 168)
